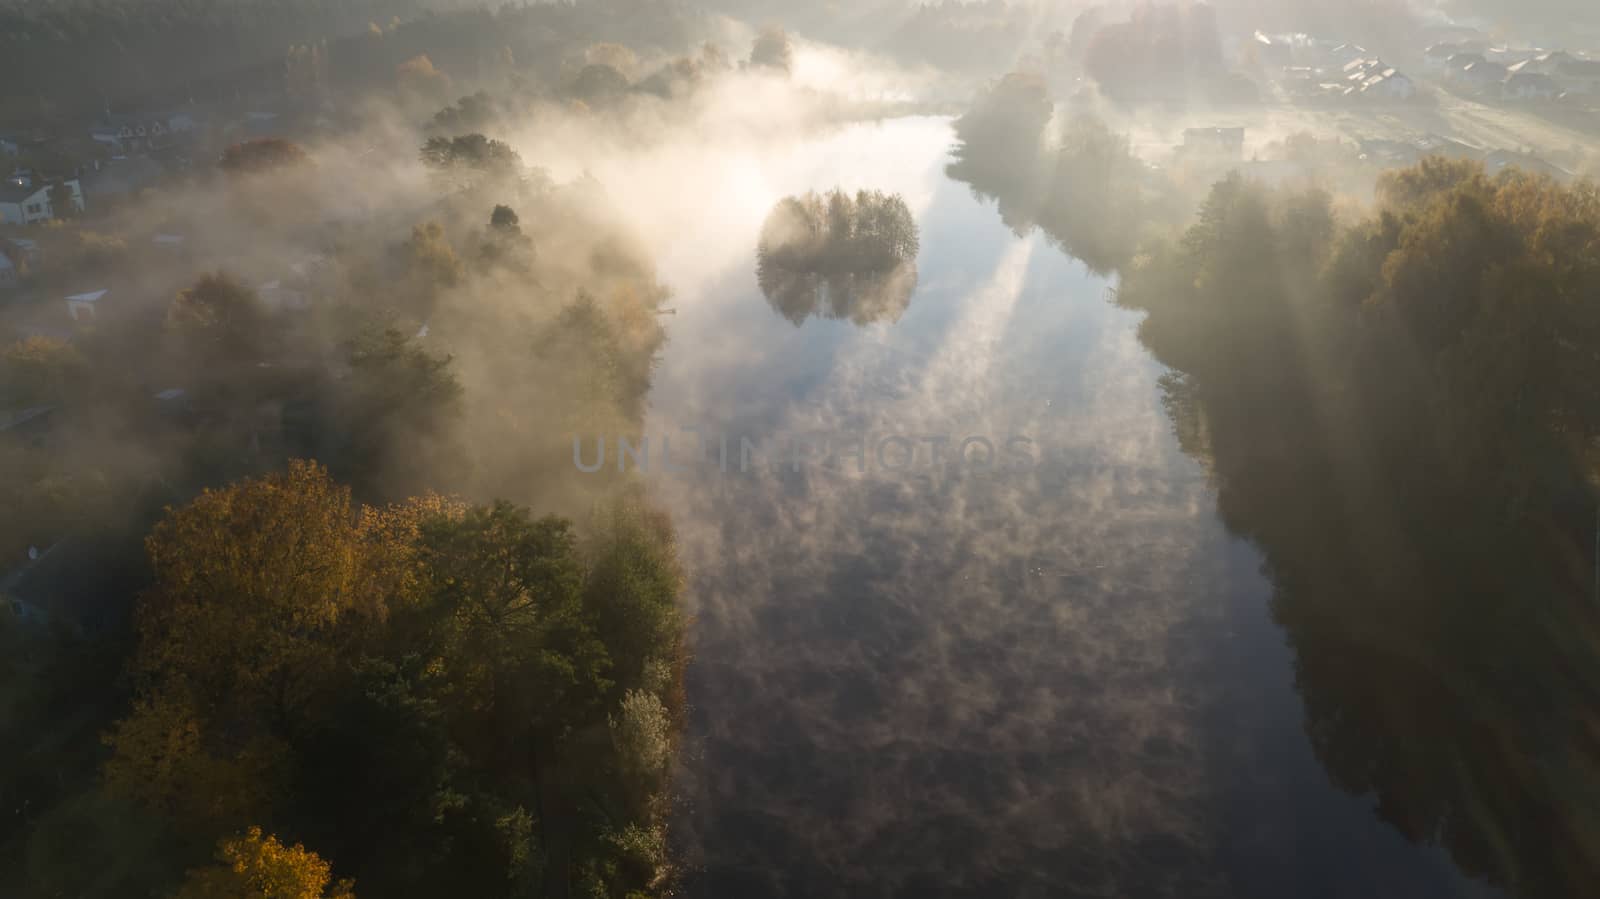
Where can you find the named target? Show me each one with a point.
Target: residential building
(85, 307)
(1483, 76)
(1457, 64)
(1544, 63)
(1579, 77)
(1437, 57)
(1372, 78)
(126, 134)
(22, 202)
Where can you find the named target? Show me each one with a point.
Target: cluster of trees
(839, 256)
(1402, 412)
(963, 35)
(76, 56)
(1083, 186)
(436, 698)
(329, 682)
(1163, 53)
(73, 59)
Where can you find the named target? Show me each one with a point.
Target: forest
(1401, 411)
(230, 623)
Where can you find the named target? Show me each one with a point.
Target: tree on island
(838, 255)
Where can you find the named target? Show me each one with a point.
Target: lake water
(1054, 677)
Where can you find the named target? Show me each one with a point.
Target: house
(1457, 64)
(1388, 84)
(125, 134)
(1483, 76)
(1579, 76)
(8, 273)
(1509, 56)
(1544, 63)
(24, 203)
(1372, 78)
(1345, 53)
(85, 307)
(1225, 142)
(1531, 86)
(1360, 68)
(1437, 57)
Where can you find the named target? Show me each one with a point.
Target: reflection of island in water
(838, 256)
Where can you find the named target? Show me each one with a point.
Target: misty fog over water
(1055, 681)
(732, 449)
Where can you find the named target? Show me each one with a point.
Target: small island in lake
(839, 256)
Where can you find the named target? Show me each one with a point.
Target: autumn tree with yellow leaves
(427, 692)
(257, 866)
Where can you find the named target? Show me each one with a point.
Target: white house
(84, 307)
(21, 203)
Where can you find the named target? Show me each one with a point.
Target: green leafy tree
(470, 152)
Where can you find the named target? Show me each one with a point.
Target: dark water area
(1055, 676)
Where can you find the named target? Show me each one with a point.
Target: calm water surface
(1062, 680)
